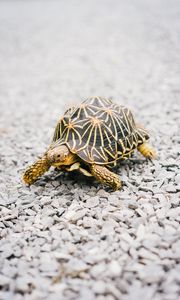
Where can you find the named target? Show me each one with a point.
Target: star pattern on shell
(99, 131)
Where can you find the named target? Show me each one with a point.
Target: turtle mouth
(51, 160)
(57, 164)
(54, 161)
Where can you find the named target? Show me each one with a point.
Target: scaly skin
(36, 170)
(105, 176)
(147, 151)
(70, 163)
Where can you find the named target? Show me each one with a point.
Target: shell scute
(99, 131)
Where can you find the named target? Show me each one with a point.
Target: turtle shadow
(78, 180)
(75, 177)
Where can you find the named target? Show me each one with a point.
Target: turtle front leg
(36, 170)
(106, 176)
(147, 151)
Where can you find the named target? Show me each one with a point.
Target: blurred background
(57, 52)
(54, 53)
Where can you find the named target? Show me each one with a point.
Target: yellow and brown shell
(99, 131)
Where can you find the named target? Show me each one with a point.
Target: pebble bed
(68, 237)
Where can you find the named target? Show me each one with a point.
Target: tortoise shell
(99, 131)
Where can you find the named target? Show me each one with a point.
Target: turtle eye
(61, 157)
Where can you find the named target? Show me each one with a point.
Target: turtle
(93, 137)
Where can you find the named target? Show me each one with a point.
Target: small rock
(88, 222)
(65, 235)
(47, 264)
(113, 200)
(141, 232)
(177, 179)
(170, 188)
(22, 284)
(133, 206)
(99, 287)
(144, 253)
(70, 214)
(173, 212)
(78, 215)
(92, 202)
(178, 187)
(4, 280)
(98, 269)
(108, 227)
(102, 193)
(114, 269)
(61, 256)
(141, 213)
(47, 222)
(45, 200)
(55, 203)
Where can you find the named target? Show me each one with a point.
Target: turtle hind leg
(143, 147)
(36, 170)
(105, 176)
(147, 151)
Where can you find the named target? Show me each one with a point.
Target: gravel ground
(68, 237)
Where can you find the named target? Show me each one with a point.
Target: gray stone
(108, 227)
(46, 222)
(173, 212)
(144, 253)
(114, 269)
(92, 202)
(45, 200)
(22, 284)
(78, 215)
(170, 188)
(68, 236)
(55, 203)
(113, 200)
(88, 222)
(65, 235)
(97, 270)
(61, 256)
(4, 280)
(177, 179)
(99, 287)
(47, 264)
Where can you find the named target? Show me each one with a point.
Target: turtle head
(59, 155)
(56, 156)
